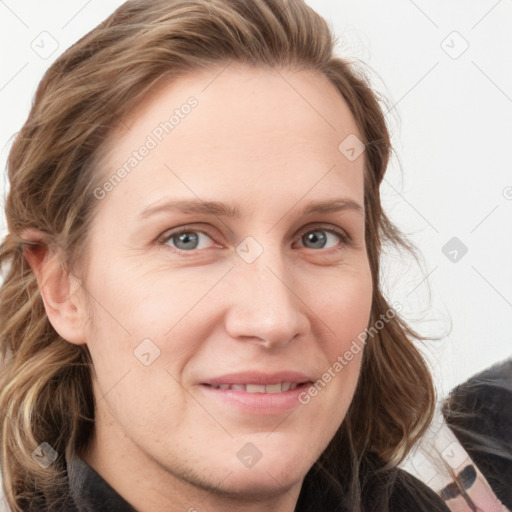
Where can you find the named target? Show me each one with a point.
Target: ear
(59, 289)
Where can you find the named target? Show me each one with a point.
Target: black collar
(89, 492)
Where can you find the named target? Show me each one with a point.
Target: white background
(452, 132)
(451, 124)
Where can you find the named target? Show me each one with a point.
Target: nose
(267, 305)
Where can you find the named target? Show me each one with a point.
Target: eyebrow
(219, 209)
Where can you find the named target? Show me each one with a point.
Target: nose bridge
(265, 306)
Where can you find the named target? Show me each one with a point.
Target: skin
(266, 141)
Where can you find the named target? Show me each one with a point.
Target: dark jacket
(479, 412)
(91, 493)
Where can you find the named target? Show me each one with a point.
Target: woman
(191, 312)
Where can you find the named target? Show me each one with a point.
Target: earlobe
(58, 287)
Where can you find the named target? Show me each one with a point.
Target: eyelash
(345, 239)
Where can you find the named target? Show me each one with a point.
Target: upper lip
(255, 377)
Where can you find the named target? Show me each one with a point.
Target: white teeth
(259, 388)
(273, 388)
(255, 388)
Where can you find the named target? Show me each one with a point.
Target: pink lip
(258, 403)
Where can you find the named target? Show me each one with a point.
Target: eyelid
(331, 228)
(170, 233)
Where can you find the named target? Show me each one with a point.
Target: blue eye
(317, 238)
(321, 239)
(188, 240)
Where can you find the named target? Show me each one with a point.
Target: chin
(279, 467)
(268, 481)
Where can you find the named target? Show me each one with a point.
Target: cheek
(345, 305)
(150, 302)
(142, 324)
(345, 311)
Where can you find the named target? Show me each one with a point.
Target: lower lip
(258, 403)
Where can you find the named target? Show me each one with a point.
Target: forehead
(217, 131)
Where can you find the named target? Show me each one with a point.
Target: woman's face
(227, 266)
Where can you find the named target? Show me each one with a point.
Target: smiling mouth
(259, 388)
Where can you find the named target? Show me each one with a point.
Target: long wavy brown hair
(45, 381)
